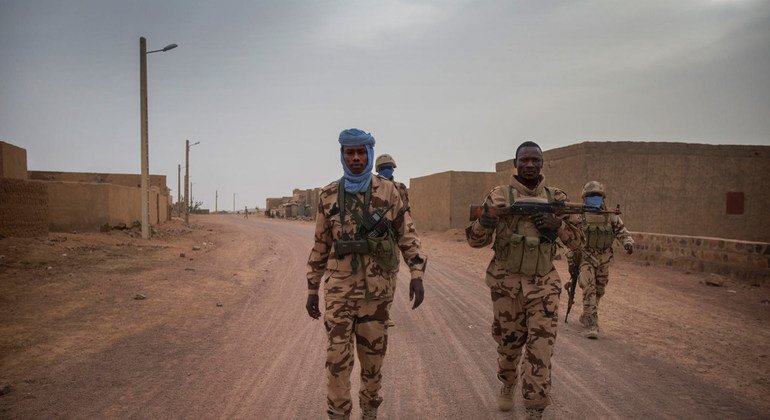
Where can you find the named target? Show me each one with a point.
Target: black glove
(488, 220)
(548, 225)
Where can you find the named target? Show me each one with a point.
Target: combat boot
(592, 332)
(505, 398)
(368, 412)
(534, 413)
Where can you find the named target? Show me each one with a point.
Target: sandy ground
(222, 333)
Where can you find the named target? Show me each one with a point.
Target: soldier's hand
(312, 306)
(629, 248)
(548, 225)
(416, 292)
(487, 219)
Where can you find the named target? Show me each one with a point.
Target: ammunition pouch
(526, 255)
(383, 250)
(343, 247)
(599, 237)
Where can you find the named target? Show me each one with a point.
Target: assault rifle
(530, 206)
(574, 272)
(372, 225)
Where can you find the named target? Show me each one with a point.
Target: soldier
(524, 285)
(360, 226)
(594, 258)
(385, 164)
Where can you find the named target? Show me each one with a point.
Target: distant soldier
(524, 285)
(385, 165)
(360, 226)
(245, 212)
(595, 257)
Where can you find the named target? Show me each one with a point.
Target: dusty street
(222, 333)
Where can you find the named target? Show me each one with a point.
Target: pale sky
(266, 86)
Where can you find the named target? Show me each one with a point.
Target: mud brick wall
(13, 161)
(23, 208)
(742, 260)
(441, 201)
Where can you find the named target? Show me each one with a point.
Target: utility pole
(144, 133)
(234, 194)
(186, 180)
(145, 175)
(178, 190)
(187, 200)
(216, 199)
(191, 195)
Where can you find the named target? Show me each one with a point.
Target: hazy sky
(442, 85)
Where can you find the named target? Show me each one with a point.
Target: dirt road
(222, 333)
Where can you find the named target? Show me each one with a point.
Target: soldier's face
(529, 162)
(355, 158)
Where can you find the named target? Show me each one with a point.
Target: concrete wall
(106, 203)
(13, 161)
(742, 260)
(23, 208)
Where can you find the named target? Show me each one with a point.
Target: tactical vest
(381, 249)
(598, 231)
(519, 247)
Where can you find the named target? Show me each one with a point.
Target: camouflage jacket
(404, 193)
(622, 235)
(570, 233)
(337, 274)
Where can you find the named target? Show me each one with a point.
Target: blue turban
(355, 137)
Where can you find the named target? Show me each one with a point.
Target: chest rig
(598, 231)
(374, 235)
(519, 247)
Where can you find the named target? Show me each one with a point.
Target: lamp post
(178, 190)
(187, 147)
(144, 132)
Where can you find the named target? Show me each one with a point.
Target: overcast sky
(266, 86)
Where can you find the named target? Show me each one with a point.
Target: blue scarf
(355, 137)
(386, 172)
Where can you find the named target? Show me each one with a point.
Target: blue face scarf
(594, 201)
(386, 172)
(355, 137)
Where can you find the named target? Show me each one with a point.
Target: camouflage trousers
(593, 279)
(362, 322)
(525, 321)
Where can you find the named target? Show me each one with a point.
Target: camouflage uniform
(525, 308)
(595, 265)
(357, 301)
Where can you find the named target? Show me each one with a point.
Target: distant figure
(246, 212)
(594, 259)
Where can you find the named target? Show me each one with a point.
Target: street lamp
(144, 134)
(187, 201)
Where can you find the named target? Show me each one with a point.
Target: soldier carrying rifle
(593, 260)
(523, 283)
